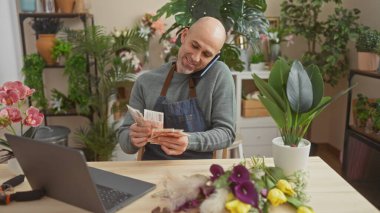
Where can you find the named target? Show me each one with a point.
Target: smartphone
(202, 72)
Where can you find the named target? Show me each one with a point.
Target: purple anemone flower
(246, 192)
(216, 171)
(239, 174)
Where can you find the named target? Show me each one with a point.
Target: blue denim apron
(185, 115)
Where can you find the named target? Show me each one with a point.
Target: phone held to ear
(201, 73)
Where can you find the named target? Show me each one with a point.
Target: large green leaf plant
(293, 97)
(241, 17)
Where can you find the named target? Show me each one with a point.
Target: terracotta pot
(45, 44)
(79, 6)
(368, 61)
(66, 6)
(290, 159)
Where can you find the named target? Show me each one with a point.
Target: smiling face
(200, 44)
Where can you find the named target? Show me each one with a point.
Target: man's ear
(184, 34)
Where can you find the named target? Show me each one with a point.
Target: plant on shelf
(60, 103)
(100, 137)
(293, 97)
(14, 110)
(368, 46)
(61, 49)
(257, 58)
(376, 116)
(326, 39)
(46, 28)
(242, 18)
(32, 70)
(361, 109)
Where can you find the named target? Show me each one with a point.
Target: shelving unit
(85, 18)
(257, 132)
(361, 156)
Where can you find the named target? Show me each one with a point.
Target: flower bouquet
(13, 97)
(249, 186)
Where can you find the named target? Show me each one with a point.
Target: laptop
(63, 173)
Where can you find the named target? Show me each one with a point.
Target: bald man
(200, 101)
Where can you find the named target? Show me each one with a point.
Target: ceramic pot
(257, 67)
(274, 51)
(368, 61)
(66, 6)
(14, 167)
(290, 159)
(45, 44)
(28, 6)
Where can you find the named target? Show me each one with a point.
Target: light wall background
(328, 128)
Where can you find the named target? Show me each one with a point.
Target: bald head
(200, 44)
(211, 27)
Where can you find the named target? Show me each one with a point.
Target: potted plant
(361, 110)
(257, 62)
(376, 116)
(367, 46)
(293, 97)
(46, 28)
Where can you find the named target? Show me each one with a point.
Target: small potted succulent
(257, 62)
(367, 45)
(46, 28)
(61, 50)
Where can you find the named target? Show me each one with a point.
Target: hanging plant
(32, 70)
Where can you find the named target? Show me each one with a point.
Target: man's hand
(140, 134)
(173, 145)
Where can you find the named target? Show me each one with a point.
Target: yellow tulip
(230, 196)
(236, 206)
(276, 197)
(285, 187)
(304, 209)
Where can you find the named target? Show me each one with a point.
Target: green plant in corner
(293, 97)
(376, 116)
(32, 70)
(331, 36)
(368, 40)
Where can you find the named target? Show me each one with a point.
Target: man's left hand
(174, 145)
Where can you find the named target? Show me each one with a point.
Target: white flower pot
(14, 167)
(257, 67)
(290, 159)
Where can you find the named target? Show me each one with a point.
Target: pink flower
(14, 114)
(8, 97)
(22, 90)
(4, 118)
(158, 26)
(33, 117)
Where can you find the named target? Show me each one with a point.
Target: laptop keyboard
(111, 197)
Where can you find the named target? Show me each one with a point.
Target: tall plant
(326, 39)
(100, 137)
(243, 17)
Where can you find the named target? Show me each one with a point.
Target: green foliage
(61, 48)
(293, 97)
(331, 36)
(230, 55)
(362, 110)
(100, 138)
(376, 115)
(78, 82)
(32, 70)
(368, 40)
(243, 17)
(257, 58)
(46, 25)
(65, 103)
(130, 40)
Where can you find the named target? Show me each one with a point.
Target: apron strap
(169, 77)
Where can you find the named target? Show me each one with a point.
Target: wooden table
(329, 192)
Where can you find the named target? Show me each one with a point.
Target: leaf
(294, 201)
(317, 83)
(279, 76)
(267, 91)
(277, 114)
(299, 89)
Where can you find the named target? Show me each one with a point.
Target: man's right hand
(139, 134)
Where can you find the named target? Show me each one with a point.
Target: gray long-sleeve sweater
(216, 98)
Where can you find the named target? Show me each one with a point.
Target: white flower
(124, 33)
(144, 32)
(56, 104)
(135, 62)
(117, 33)
(274, 37)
